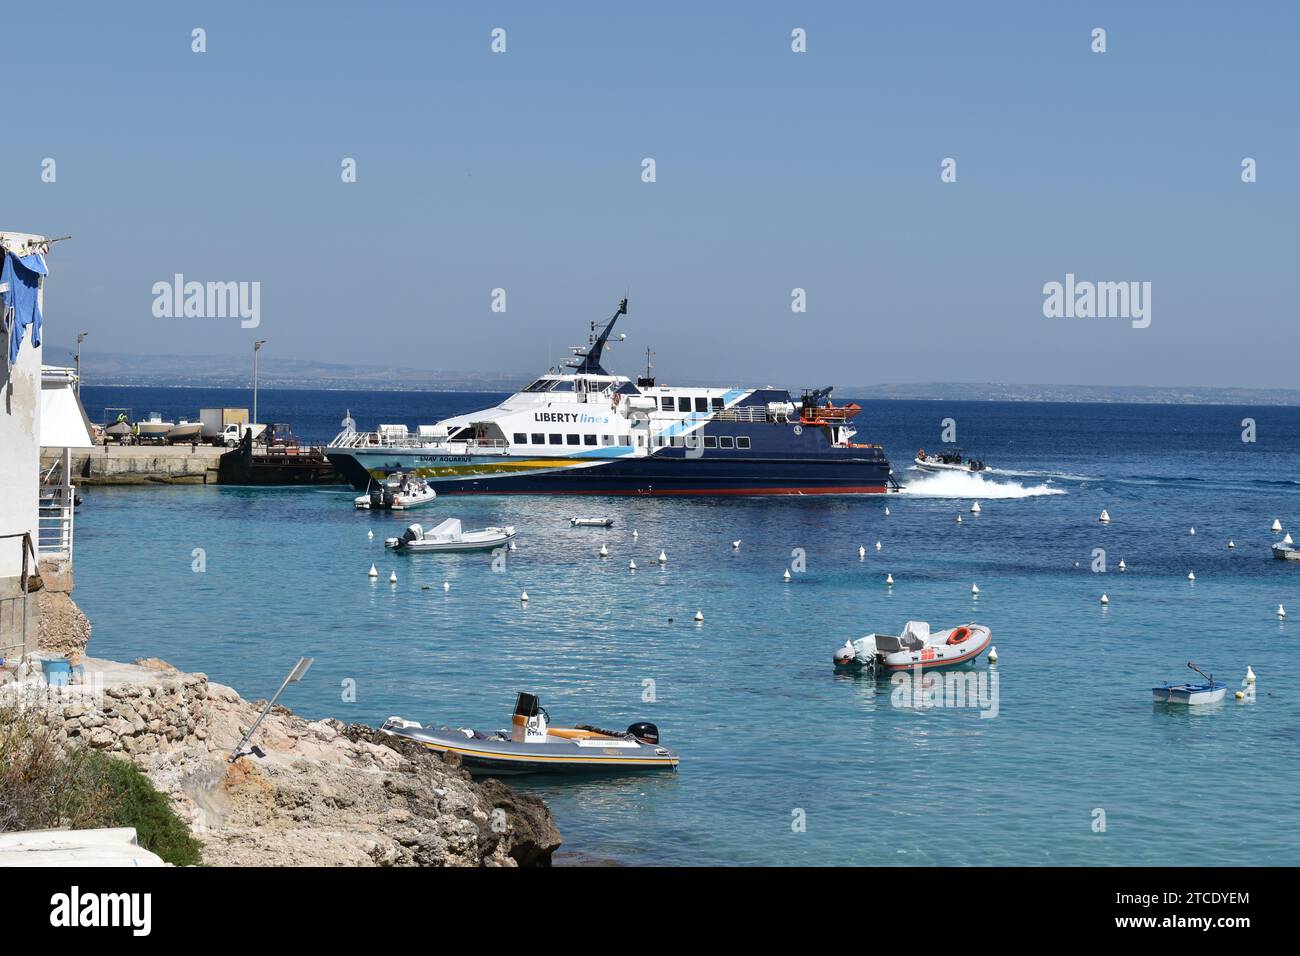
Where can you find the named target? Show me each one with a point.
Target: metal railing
(54, 521)
(416, 442)
(14, 625)
(743, 413)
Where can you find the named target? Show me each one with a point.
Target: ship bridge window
(717, 403)
(461, 434)
(701, 403)
(683, 404)
(725, 441)
(667, 402)
(742, 441)
(561, 385)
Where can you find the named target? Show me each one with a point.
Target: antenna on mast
(647, 380)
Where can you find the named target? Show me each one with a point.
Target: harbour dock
(139, 464)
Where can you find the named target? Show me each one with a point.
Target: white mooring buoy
(1104, 599)
(1231, 544)
(635, 534)
(1249, 679)
(735, 545)
(1104, 517)
(523, 598)
(699, 616)
(1287, 539)
(975, 508)
(975, 590)
(1192, 531)
(786, 576)
(604, 551)
(663, 558)
(889, 580)
(959, 519)
(513, 546)
(1122, 565)
(1191, 575)
(886, 511)
(879, 546)
(993, 655)
(370, 534)
(631, 565)
(1281, 611)
(446, 586)
(862, 551)
(1277, 525)
(373, 572)
(392, 577)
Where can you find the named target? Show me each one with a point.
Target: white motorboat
(592, 522)
(916, 646)
(1285, 552)
(185, 431)
(153, 428)
(950, 460)
(449, 536)
(399, 493)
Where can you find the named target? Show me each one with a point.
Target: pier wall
(140, 464)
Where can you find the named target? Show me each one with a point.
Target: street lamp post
(257, 347)
(80, 337)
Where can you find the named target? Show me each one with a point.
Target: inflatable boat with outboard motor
(916, 646)
(396, 494)
(950, 460)
(448, 536)
(533, 746)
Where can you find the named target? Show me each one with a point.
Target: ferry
(581, 430)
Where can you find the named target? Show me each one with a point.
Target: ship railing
(744, 413)
(415, 442)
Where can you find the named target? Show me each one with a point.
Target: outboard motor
(413, 533)
(644, 731)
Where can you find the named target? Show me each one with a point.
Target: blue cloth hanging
(23, 274)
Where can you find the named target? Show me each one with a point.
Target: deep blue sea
(783, 760)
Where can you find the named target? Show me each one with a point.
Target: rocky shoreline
(325, 793)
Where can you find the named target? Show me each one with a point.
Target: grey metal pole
(295, 675)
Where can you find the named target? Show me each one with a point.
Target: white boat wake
(960, 484)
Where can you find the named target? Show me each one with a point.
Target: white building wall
(20, 451)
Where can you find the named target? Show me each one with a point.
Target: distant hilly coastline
(227, 371)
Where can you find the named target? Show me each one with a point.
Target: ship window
(607, 439)
(742, 442)
(589, 439)
(701, 404)
(725, 441)
(676, 441)
(627, 440)
(538, 439)
(710, 441)
(557, 439)
(521, 439)
(683, 404)
(667, 402)
(573, 439)
(717, 404)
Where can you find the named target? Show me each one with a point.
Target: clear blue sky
(775, 170)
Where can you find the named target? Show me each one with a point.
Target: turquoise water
(768, 733)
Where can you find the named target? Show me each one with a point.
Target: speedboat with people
(916, 646)
(592, 522)
(580, 429)
(398, 493)
(448, 536)
(532, 745)
(1210, 691)
(951, 459)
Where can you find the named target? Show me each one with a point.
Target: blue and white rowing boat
(1210, 691)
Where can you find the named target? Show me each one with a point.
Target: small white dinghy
(1209, 692)
(916, 646)
(1285, 553)
(448, 536)
(397, 494)
(592, 522)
